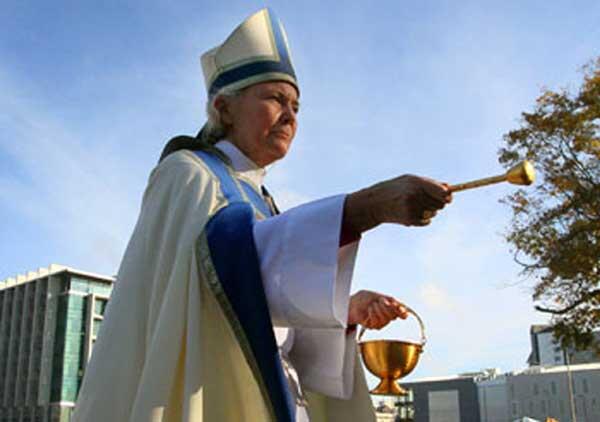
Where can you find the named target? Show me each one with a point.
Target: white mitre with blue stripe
(256, 51)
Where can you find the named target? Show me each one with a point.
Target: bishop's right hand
(408, 200)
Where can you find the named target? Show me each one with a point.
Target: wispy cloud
(75, 190)
(437, 298)
(287, 198)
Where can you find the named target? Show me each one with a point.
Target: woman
(224, 309)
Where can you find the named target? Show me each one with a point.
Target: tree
(555, 228)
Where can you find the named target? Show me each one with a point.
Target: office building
(444, 399)
(546, 351)
(564, 393)
(49, 320)
(558, 392)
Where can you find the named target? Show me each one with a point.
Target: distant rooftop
(488, 374)
(44, 272)
(540, 328)
(558, 368)
(441, 378)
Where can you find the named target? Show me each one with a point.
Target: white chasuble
(168, 350)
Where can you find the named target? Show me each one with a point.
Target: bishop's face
(262, 120)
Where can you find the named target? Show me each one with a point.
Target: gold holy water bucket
(390, 360)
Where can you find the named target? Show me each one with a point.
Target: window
(553, 388)
(100, 306)
(96, 327)
(514, 409)
(585, 386)
(536, 390)
(80, 285)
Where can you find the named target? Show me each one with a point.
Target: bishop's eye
(274, 98)
(283, 101)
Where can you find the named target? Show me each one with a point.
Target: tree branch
(584, 298)
(575, 158)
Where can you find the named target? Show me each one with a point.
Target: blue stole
(235, 260)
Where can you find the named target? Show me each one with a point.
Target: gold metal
(390, 360)
(521, 174)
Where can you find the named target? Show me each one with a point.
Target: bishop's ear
(223, 106)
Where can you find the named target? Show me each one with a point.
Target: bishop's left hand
(374, 310)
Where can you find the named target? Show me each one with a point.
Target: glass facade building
(49, 321)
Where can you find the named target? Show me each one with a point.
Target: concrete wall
(493, 400)
(550, 351)
(443, 400)
(546, 394)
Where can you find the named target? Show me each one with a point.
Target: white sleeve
(324, 360)
(306, 275)
(307, 278)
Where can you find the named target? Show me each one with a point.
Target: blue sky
(91, 91)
